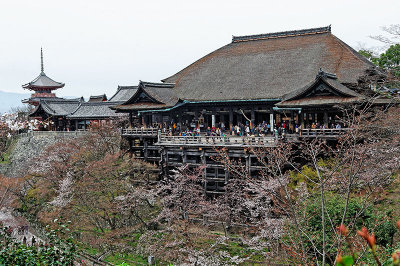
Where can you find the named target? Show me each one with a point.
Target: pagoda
(42, 86)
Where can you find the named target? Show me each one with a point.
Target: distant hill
(11, 99)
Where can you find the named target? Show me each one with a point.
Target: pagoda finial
(41, 59)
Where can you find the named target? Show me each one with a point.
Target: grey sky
(93, 46)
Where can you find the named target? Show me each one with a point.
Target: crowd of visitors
(260, 130)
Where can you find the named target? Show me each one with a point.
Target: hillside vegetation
(118, 210)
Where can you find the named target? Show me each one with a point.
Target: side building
(60, 114)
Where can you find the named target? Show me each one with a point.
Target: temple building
(249, 93)
(62, 114)
(43, 86)
(294, 78)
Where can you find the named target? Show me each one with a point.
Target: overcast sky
(94, 46)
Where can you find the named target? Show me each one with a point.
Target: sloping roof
(123, 93)
(98, 98)
(160, 95)
(37, 99)
(161, 92)
(94, 110)
(268, 66)
(315, 93)
(43, 81)
(57, 107)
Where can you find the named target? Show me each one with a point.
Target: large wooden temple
(237, 96)
(294, 77)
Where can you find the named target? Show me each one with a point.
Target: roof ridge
(98, 103)
(282, 34)
(124, 87)
(157, 84)
(100, 95)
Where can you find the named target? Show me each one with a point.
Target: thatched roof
(268, 66)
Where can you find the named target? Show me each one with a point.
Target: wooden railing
(216, 140)
(140, 132)
(164, 139)
(323, 133)
(54, 133)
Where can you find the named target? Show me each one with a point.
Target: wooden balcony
(328, 133)
(140, 132)
(198, 141)
(228, 140)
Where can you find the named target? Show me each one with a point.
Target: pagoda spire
(41, 60)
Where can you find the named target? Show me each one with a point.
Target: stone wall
(29, 146)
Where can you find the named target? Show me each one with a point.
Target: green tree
(369, 55)
(390, 59)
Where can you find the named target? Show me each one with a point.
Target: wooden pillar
(279, 119)
(252, 118)
(180, 121)
(196, 119)
(165, 158)
(272, 121)
(239, 117)
(184, 156)
(203, 161)
(326, 119)
(145, 150)
(306, 123)
(230, 119)
(222, 120)
(248, 164)
(131, 119)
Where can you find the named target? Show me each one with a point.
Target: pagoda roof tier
(43, 82)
